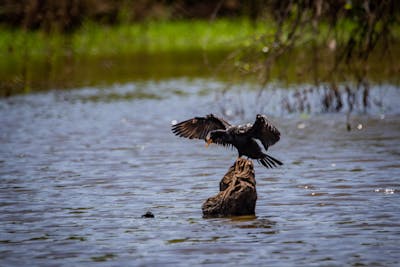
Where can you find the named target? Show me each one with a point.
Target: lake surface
(78, 168)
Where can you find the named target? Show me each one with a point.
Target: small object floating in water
(148, 214)
(301, 125)
(386, 191)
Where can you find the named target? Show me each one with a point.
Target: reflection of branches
(330, 98)
(327, 98)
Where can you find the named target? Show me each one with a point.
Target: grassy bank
(149, 37)
(35, 60)
(96, 54)
(154, 36)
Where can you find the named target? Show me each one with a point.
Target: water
(79, 168)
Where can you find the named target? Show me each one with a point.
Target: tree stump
(237, 194)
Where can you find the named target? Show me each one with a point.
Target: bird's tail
(270, 162)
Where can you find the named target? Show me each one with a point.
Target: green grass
(95, 40)
(154, 36)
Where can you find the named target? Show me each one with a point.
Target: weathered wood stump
(237, 194)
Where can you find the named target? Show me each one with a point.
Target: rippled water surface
(78, 169)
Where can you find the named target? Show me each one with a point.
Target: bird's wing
(263, 130)
(199, 127)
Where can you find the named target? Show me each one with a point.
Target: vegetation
(350, 29)
(153, 36)
(32, 57)
(314, 41)
(67, 15)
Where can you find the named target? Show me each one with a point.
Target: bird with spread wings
(243, 137)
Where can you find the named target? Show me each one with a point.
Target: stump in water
(237, 194)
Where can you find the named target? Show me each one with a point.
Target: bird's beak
(208, 142)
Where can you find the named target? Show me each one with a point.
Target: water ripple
(78, 170)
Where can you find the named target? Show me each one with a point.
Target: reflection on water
(79, 169)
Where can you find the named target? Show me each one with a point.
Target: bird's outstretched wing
(199, 127)
(264, 131)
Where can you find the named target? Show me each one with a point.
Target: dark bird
(243, 137)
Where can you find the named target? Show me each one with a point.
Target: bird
(243, 137)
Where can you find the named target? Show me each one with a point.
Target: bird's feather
(199, 127)
(264, 131)
(270, 162)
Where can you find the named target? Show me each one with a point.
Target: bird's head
(208, 139)
(216, 136)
